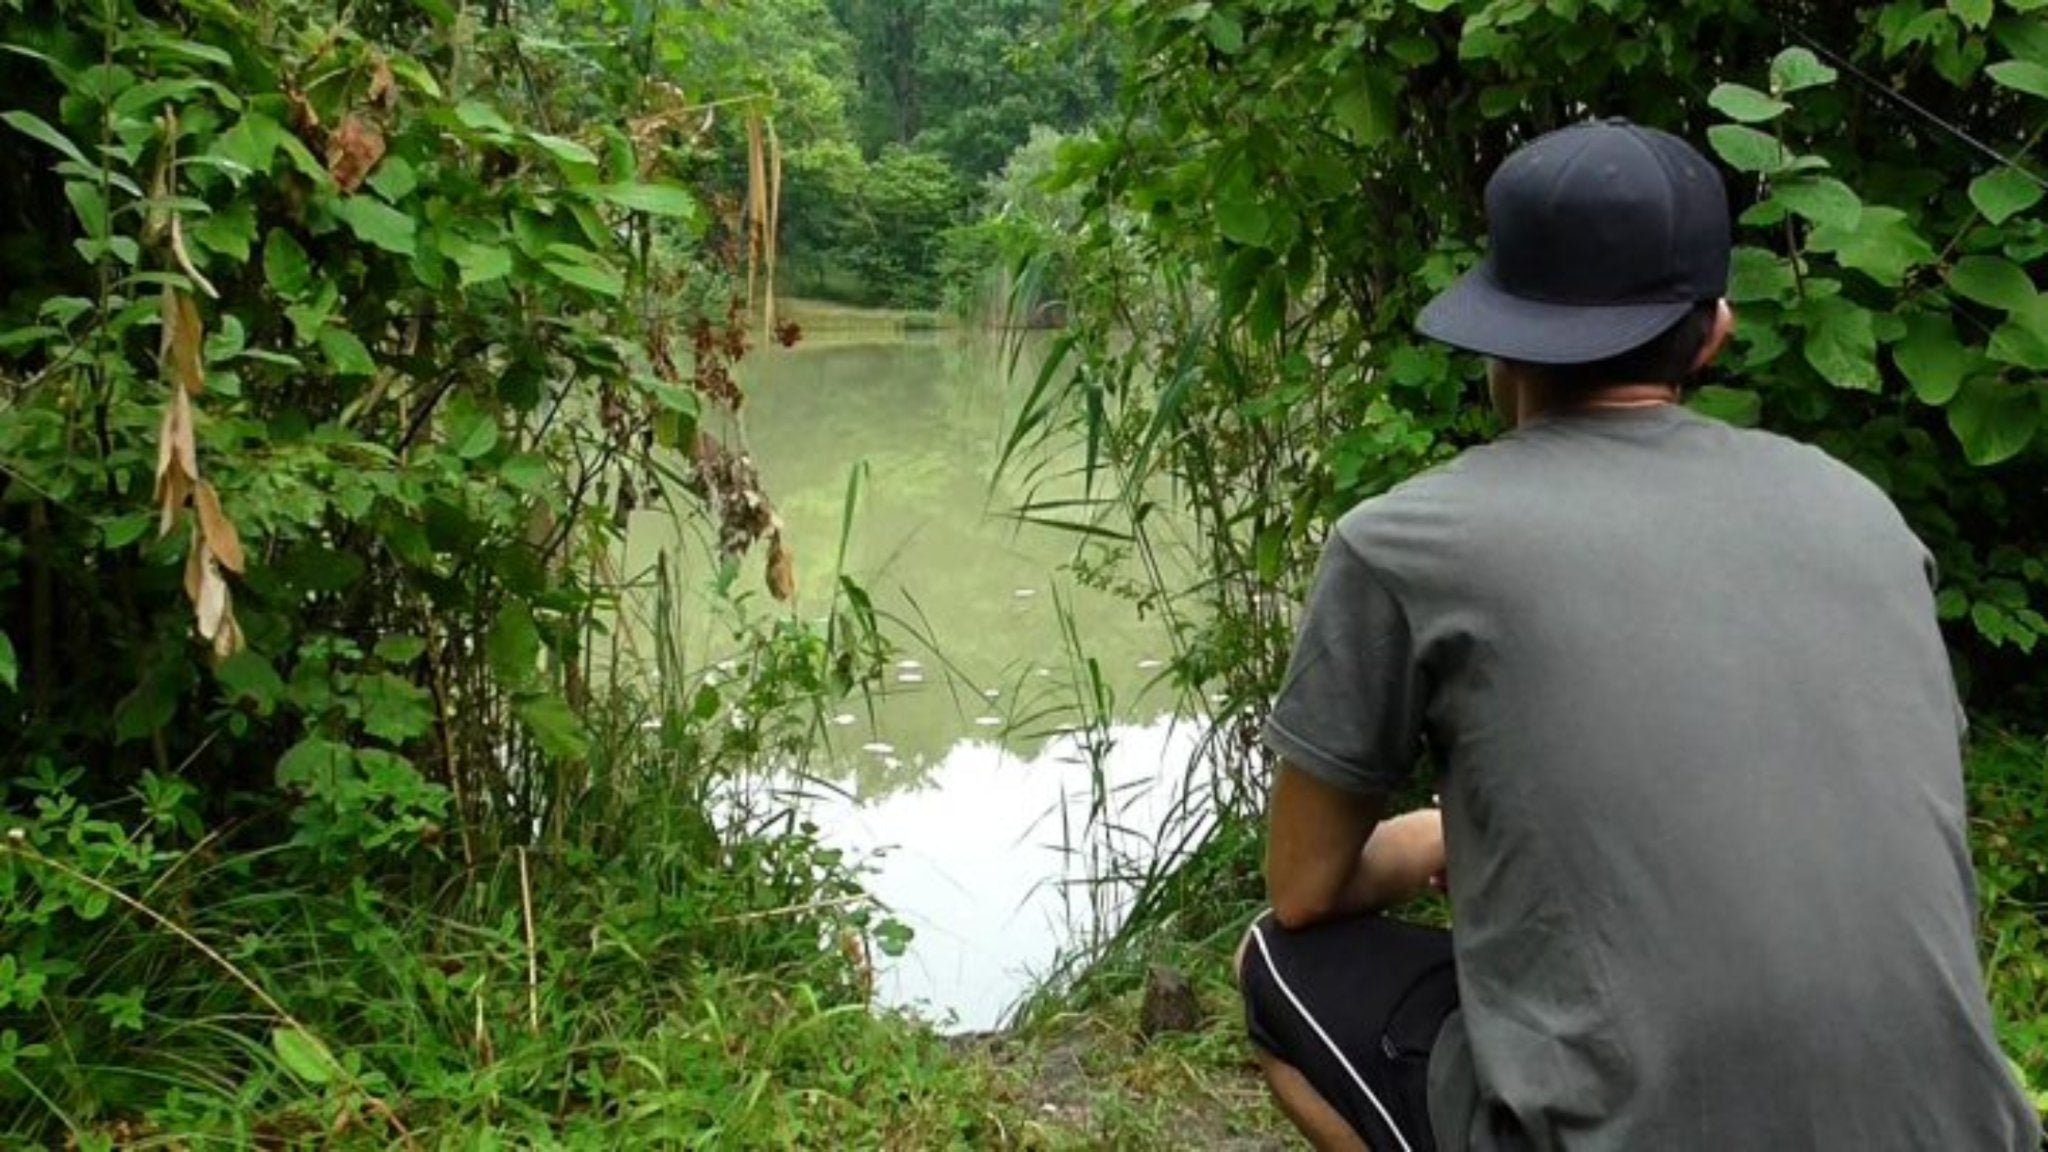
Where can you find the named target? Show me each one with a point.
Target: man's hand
(1405, 855)
(1328, 856)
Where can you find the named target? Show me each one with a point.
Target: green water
(963, 770)
(975, 597)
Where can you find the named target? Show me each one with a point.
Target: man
(1700, 771)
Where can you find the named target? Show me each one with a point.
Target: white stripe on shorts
(1265, 954)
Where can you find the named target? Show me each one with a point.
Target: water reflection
(958, 764)
(979, 860)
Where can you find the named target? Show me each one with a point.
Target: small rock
(1170, 1004)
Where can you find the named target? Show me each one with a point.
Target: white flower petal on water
(908, 665)
(892, 763)
(991, 693)
(1025, 593)
(1148, 665)
(844, 719)
(989, 721)
(909, 678)
(879, 748)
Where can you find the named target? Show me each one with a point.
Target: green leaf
(1930, 357)
(345, 353)
(479, 263)
(527, 472)
(1993, 420)
(1746, 104)
(230, 232)
(302, 1054)
(2023, 338)
(575, 159)
(653, 199)
(285, 265)
(1741, 407)
(401, 648)
(377, 223)
(513, 646)
(10, 668)
(1796, 69)
(394, 179)
(248, 676)
(1748, 150)
(35, 127)
(1242, 217)
(90, 205)
(1759, 274)
(1841, 344)
(2021, 76)
(1226, 33)
(2003, 193)
(1367, 111)
(314, 765)
(1821, 199)
(1973, 13)
(482, 117)
(1993, 281)
(472, 430)
(1883, 245)
(554, 727)
(599, 278)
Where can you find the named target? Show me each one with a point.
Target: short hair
(1666, 358)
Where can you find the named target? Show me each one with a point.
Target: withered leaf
(219, 531)
(212, 602)
(383, 85)
(353, 152)
(182, 445)
(182, 340)
(195, 565)
(184, 259)
(781, 570)
(228, 640)
(172, 490)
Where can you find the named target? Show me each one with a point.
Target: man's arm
(1329, 856)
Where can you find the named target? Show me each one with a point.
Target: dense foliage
(348, 786)
(1293, 178)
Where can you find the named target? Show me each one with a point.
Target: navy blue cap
(1603, 236)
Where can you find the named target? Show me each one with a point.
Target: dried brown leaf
(228, 640)
(166, 437)
(353, 152)
(195, 565)
(184, 259)
(171, 493)
(383, 85)
(182, 340)
(211, 604)
(182, 444)
(221, 537)
(781, 570)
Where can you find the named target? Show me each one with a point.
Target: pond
(973, 773)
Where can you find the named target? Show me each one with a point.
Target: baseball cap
(1603, 236)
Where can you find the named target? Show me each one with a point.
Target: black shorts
(1355, 1007)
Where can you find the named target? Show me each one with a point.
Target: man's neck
(1541, 401)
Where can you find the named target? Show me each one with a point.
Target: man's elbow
(1295, 910)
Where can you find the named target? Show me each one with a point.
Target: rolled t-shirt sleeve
(1349, 711)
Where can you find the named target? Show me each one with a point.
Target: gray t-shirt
(1702, 790)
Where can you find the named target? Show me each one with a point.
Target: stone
(1170, 1004)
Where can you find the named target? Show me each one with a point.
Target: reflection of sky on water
(974, 860)
(970, 774)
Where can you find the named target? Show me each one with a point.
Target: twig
(532, 955)
(792, 910)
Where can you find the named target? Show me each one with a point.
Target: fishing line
(1897, 97)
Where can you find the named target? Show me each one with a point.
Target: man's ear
(1724, 327)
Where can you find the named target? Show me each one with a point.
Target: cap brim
(1474, 314)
